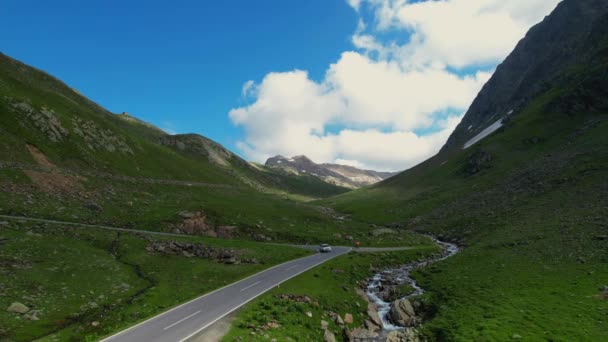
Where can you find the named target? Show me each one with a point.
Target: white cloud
(377, 98)
(291, 112)
(355, 4)
(248, 89)
(457, 33)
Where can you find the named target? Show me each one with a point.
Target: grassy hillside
(530, 205)
(83, 284)
(77, 134)
(64, 157)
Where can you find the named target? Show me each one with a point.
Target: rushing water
(401, 275)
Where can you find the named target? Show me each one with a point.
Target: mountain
(77, 134)
(546, 58)
(64, 157)
(341, 175)
(526, 198)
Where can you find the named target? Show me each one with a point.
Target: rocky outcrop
(197, 223)
(98, 138)
(198, 250)
(19, 308)
(44, 120)
(572, 36)
(193, 223)
(405, 335)
(402, 313)
(382, 231)
(200, 146)
(297, 298)
(478, 161)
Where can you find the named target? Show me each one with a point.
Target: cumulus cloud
(457, 33)
(386, 105)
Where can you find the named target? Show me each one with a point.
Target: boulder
(406, 335)
(374, 317)
(18, 308)
(362, 334)
(328, 336)
(369, 325)
(382, 231)
(348, 318)
(402, 313)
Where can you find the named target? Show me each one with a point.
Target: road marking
(292, 267)
(181, 320)
(250, 286)
(347, 250)
(266, 271)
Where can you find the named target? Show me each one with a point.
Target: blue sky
(180, 64)
(377, 84)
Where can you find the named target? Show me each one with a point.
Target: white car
(325, 248)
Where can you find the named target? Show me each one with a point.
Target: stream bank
(389, 292)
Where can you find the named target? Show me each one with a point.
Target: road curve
(186, 320)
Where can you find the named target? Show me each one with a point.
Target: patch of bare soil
(51, 181)
(39, 157)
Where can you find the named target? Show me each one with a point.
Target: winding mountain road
(186, 320)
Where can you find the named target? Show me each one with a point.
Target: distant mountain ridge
(342, 175)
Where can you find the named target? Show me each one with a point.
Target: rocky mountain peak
(537, 63)
(342, 175)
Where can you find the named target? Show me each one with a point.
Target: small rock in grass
(93, 206)
(328, 336)
(95, 324)
(18, 308)
(309, 314)
(324, 324)
(348, 318)
(516, 337)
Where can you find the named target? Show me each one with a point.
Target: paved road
(188, 319)
(357, 250)
(84, 225)
(151, 232)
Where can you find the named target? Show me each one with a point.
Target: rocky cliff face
(560, 42)
(342, 175)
